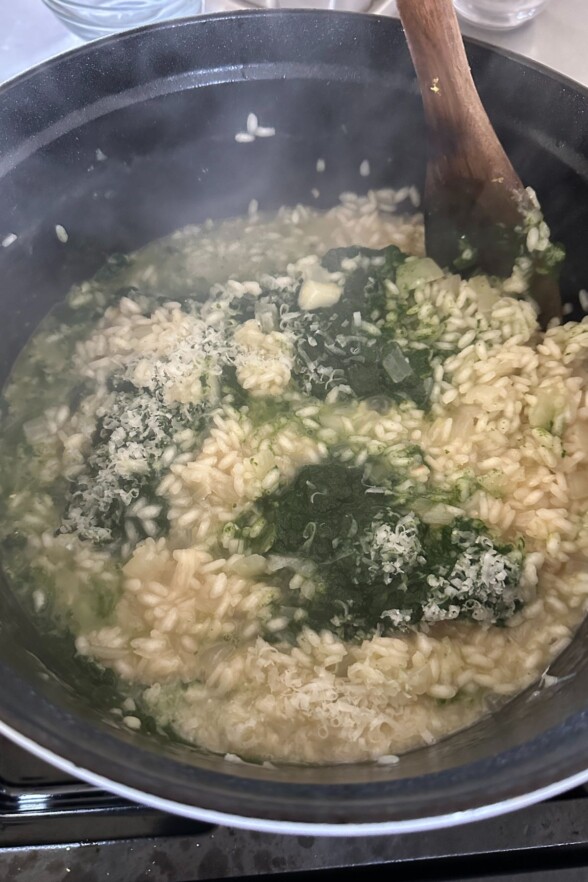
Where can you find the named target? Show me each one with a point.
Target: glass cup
(89, 19)
(499, 14)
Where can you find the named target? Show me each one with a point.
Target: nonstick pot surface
(163, 104)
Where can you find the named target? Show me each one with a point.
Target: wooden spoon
(474, 199)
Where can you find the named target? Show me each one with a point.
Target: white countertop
(558, 38)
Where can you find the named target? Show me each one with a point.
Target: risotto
(310, 497)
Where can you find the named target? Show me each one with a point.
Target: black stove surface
(54, 828)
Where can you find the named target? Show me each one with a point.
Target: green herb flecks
(351, 348)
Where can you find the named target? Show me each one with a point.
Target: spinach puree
(375, 566)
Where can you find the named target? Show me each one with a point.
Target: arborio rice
(163, 428)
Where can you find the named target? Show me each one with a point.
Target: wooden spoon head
(472, 223)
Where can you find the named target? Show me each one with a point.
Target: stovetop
(54, 828)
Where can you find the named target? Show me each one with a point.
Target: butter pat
(318, 295)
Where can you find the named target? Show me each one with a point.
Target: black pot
(164, 104)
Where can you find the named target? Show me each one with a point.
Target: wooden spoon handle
(461, 135)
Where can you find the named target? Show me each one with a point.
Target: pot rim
(184, 21)
(301, 828)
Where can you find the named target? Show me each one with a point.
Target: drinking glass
(97, 18)
(499, 14)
